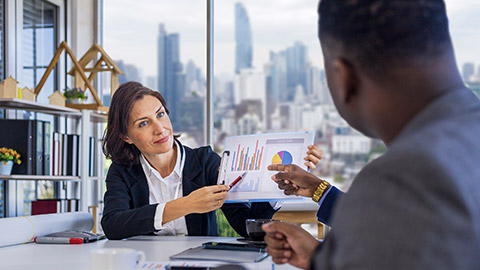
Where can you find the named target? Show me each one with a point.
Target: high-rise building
(289, 70)
(296, 67)
(468, 71)
(243, 39)
(171, 80)
(278, 75)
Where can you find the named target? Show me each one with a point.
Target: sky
(131, 30)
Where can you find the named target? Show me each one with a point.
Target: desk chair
(302, 217)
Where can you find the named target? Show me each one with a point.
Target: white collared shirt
(163, 190)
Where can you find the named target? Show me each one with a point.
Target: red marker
(57, 240)
(238, 179)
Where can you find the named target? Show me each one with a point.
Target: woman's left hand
(314, 154)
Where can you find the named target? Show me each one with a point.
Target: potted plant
(8, 157)
(75, 95)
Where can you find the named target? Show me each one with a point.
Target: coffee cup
(254, 228)
(116, 259)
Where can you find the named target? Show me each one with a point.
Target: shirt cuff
(276, 204)
(158, 219)
(324, 195)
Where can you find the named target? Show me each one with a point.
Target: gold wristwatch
(320, 191)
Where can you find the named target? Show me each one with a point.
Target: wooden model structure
(63, 46)
(28, 94)
(104, 64)
(8, 88)
(57, 98)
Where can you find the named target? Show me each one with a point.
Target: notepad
(233, 256)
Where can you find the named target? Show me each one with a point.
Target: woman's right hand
(207, 198)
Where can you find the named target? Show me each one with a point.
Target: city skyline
(275, 25)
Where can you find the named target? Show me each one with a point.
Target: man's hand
(294, 180)
(289, 243)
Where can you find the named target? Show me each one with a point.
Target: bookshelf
(90, 186)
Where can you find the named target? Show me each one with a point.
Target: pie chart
(282, 157)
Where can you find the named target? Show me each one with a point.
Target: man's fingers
(282, 176)
(276, 167)
(284, 228)
(274, 242)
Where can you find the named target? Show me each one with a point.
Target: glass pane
(269, 78)
(2, 203)
(464, 21)
(165, 52)
(1, 44)
(38, 44)
(29, 188)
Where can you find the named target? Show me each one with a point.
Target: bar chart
(242, 161)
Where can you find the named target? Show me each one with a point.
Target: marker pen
(57, 240)
(238, 179)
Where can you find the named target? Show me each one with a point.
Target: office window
(464, 22)
(269, 77)
(2, 208)
(162, 45)
(39, 45)
(2, 65)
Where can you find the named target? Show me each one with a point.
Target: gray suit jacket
(417, 206)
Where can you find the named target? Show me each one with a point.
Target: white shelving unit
(91, 187)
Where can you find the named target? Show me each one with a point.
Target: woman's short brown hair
(114, 146)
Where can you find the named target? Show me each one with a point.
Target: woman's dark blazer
(127, 211)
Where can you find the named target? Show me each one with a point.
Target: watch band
(320, 191)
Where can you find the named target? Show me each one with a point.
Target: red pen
(238, 179)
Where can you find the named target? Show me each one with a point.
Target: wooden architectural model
(57, 98)
(104, 64)
(81, 73)
(28, 94)
(8, 88)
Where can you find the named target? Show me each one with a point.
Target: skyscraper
(468, 70)
(243, 39)
(171, 80)
(296, 68)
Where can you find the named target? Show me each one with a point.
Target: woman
(157, 185)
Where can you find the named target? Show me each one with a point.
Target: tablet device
(234, 246)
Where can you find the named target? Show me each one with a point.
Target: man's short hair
(379, 34)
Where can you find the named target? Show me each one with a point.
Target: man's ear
(347, 79)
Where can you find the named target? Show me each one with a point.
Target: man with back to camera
(392, 73)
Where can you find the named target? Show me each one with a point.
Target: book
(22, 140)
(56, 153)
(40, 207)
(92, 156)
(72, 153)
(39, 143)
(47, 149)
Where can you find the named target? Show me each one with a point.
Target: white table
(76, 257)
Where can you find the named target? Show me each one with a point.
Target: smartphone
(234, 246)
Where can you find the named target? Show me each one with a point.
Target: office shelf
(20, 104)
(40, 177)
(86, 117)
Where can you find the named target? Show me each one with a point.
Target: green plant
(7, 154)
(224, 228)
(74, 93)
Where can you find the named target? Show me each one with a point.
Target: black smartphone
(234, 246)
